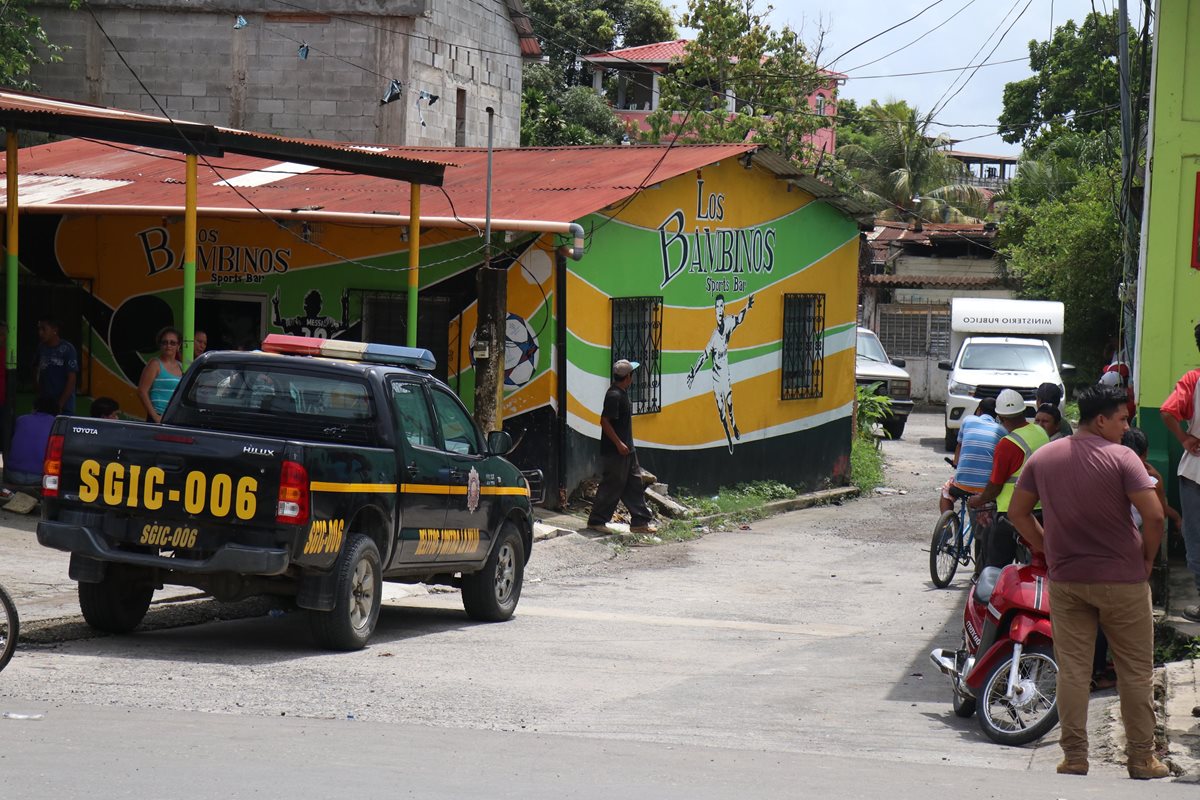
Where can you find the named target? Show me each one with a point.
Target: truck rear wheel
(359, 592)
(491, 594)
(119, 602)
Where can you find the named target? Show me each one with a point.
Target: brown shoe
(643, 529)
(1147, 768)
(1071, 767)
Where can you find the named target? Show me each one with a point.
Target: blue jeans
(1189, 501)
(22, 478)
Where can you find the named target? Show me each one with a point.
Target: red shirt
(1084, 482)
(1181, 403)
(1007, 460)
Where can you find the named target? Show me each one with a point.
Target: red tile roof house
(638, 70)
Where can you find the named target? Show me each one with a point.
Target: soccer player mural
(312, 323)
(718, 350)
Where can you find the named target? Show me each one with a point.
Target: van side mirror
(1067, 369)
(899, 362)
(945, 365)
(499, 443)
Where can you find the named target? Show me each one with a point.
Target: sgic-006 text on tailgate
(135, 486)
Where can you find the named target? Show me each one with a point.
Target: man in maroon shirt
(1098, 563)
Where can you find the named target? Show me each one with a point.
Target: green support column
(189, 264)
(414, 259)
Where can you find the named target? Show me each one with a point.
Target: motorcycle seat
(987, 583)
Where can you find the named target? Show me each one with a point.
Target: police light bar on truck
(349, 351)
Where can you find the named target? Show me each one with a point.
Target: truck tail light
(293, 494)
(52, 466)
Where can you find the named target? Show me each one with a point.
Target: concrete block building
(203, 65)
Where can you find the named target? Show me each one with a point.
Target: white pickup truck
(1000, 344)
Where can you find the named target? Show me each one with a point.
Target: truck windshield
(870, 348)
(1007, 357)
(276, 391)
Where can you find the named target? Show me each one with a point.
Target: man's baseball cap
(624, 367)
(1009, 403)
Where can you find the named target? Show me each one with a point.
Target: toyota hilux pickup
(315, 469)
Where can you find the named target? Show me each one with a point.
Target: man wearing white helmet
(1024, 437)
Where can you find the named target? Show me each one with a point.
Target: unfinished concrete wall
(190, 57)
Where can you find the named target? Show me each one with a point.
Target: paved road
(802, 640)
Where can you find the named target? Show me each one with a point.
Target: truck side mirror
(899, 362)
(945, 365)
(499, 443)
(1067, 369)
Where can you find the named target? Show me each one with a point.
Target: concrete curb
(1181, 729)
(554, 527)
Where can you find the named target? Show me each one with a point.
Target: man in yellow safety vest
(1011, 454)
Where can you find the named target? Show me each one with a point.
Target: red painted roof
(661, 53)
(555, 184)
(657, 53)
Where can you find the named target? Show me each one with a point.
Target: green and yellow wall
(1169, 283)
(725, 230)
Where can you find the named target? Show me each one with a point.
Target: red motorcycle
(1005, 667)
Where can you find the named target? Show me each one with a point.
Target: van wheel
(951, 439)
(119, 602)
(358, 594)
(491, 594)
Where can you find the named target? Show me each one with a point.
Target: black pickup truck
(317, 470)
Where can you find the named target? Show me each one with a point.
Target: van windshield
(1007, 357)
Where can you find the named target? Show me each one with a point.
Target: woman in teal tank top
(161, 375)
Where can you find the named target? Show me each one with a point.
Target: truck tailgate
(167, 487)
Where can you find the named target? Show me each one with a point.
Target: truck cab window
(458, 431)
(412, 414)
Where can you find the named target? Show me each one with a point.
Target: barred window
(803, 346)
(637, 336)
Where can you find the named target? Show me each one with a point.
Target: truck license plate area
(167, 536)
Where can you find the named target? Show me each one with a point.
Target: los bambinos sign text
(722, 253)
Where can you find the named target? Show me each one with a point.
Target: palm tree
(905, 173)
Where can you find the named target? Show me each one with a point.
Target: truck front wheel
(117, 603)
(359, 591)
(951, 439)
(491, 594)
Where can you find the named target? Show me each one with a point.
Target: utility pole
(1129, 216)
(492, 307)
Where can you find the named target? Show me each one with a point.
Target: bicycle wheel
(10, 628)
(944, 549)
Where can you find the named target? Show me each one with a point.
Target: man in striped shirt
(977, 440)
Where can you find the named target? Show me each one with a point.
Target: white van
(997, 345)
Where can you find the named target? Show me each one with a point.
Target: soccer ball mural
(520, 352)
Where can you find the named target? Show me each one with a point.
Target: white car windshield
(870, 348)
(1007, 357)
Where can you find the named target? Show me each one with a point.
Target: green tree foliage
(768, 72)
(23, 44)
(558, 106)
(903, 170)
(554, 115)
(568, 29)
(1061, 238)
(1075, 76)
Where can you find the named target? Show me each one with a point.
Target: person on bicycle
(977, 440)
(1024, 437)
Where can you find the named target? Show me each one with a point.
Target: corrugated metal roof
(24, 111)
(554, 184)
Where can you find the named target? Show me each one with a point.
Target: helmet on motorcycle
(1009, 403)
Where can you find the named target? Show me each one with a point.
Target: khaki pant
(1123, 611)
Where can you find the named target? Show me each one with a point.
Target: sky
(980, 24)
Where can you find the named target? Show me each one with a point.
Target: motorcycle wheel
(1034, 712)
(944, 549)
(964, 706)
